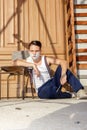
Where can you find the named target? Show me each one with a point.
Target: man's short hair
(36, 43)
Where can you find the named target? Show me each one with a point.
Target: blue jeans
(52, 90)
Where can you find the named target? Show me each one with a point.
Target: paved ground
(37, 114)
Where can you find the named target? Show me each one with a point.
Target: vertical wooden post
(73, 36)
(70, 35)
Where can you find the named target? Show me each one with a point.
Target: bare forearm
(63, 78)
(63, 64)
(64, 67)
(22, 63)
(26, 64)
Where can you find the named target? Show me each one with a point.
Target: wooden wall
(70, 36)
(24, 20)
(80, 12)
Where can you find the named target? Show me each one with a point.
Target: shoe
(73, 94)
(81, 94)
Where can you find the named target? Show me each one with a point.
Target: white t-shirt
(44, 74)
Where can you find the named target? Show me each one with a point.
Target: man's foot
(81, 94)
(73, 94)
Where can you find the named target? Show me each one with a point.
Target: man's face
(35, 52)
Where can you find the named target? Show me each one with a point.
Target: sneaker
(73, 95)
(81, 94)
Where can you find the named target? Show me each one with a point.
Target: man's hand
(26, 64)
(37, 72)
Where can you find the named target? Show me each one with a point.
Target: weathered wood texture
(80, 13)
(24, 20)
(70, 35)
(83, 40)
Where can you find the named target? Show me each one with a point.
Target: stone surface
(37, 114)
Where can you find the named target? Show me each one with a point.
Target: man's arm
(56, 61)
(63, 64)
(26, 64)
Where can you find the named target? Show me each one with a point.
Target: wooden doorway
(26, 20)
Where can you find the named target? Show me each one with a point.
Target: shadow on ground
(73, 117)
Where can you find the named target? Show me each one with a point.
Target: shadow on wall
(25, 45)
(16, 13)
(18, 10)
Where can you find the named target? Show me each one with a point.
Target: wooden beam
(80, 22)
(73, 36)
(80, 6)
(80, 14)
(70, 58)
(70, 46)
(81, 31)
(81, 58)
(82, 66)
(81, 40)
(81, 50)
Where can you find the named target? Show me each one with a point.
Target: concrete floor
(37, 114)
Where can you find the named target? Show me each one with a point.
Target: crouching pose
(48, 87)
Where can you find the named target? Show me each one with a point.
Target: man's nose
(34, 52)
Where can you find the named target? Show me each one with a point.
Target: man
(48, 87)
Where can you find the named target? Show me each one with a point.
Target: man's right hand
(26, 64)
(37, 72)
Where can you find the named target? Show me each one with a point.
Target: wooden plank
(69, 12)
(9, 22)
(66, 27)
(71, 67)
(73, 35)
(82, 66)
(70, 58)
(80, 14)
(80, 22)
(1, 23)
(80, 6)
(69, 29)
(81, 31)
(68, 4)
(81, 50)
(53, 22)
(42, 29)
(33, 16)
(60, 27)
(70, 35)
(70, 46)
(81, 58)
(5, 57)
(81, 40)
(7, 51)
(5, 62)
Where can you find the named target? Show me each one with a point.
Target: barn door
(24, 20)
